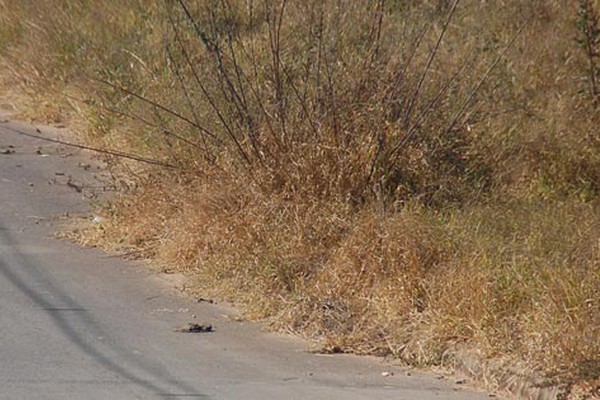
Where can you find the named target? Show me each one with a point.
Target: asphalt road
(76, 323)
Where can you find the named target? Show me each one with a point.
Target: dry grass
(339, 175)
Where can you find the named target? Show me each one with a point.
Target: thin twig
(155, 104)
(424, 113)
(205, 90)
(115, 153)
(432, 55)
(176, 69)
(484, 78)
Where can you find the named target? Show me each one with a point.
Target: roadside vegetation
(404, 178)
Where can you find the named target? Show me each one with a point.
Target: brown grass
(340, 176)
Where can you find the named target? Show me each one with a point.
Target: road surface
(76, 323)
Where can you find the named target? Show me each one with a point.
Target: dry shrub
(341, 176)
(509, 279)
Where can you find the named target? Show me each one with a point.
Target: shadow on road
(68, 315)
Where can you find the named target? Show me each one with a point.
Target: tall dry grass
(397, 178)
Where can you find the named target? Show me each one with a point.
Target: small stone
(387, 373)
